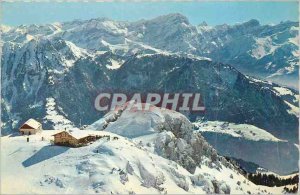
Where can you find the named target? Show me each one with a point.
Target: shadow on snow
(43, 154)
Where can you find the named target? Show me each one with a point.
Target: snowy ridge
(138, 123)
(244, 131)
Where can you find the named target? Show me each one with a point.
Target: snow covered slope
(244, 131)
(240, 141)
(251, 144)
(115, 166)
(171, 133)
(134, 123)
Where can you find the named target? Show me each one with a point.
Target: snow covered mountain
(37, 75)
(267, 51)
(239, 141)
(54, 72)
(172, 159)
(43, 71)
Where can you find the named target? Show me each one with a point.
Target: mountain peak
(5, 28)
(173, 18)
(203, 24)
(251, 23)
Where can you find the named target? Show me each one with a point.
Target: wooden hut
(30, 127)
(73, 138)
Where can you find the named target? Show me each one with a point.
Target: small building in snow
(30, 127)
(74, 138)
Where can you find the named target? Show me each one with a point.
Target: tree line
(272, 180)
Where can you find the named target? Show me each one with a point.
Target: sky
(213, 13)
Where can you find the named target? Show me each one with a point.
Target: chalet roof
(78, 134)
(31, 123)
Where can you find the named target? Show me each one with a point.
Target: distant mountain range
(267, 51)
